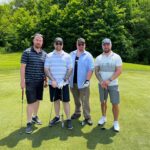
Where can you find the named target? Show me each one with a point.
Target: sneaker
(116, 126)
(36, 120)
(69, 124)
(75, 116)
(54, 121)
(102, 121)
(87, 121)
(29, 128)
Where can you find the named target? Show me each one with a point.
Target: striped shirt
(34, 64)
(58, 63)
(108, 66)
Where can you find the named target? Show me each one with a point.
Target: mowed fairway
(134, 115)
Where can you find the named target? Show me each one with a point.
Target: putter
(52, 105)
(62, 116)
(22, 110)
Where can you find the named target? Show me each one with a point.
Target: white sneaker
(102, 120)
(116, 126)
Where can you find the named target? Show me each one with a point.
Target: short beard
(107, 51)
(38, 46)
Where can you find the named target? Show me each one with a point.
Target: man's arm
(49, 74)
(98, 76)
(115, 75)
(68, 74)
(22, 76)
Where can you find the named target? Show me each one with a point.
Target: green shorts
(113, 92)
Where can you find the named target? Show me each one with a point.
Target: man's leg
(57, 107)
(30, 110)
(36, 107)
(115, 110)
(77, 102)
(115, 99)
(67, 109)
(103, 99)
(104, 107)
(85, 94)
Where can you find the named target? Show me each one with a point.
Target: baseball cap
(106, 41)
(58, 39)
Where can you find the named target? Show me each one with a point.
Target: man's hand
(103, 85)
(107, 82)
(45, 84)
(22, 85)
(86, 84)
(54, 84)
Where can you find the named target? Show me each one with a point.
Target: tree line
(125, 22)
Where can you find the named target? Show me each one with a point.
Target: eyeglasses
(81, 44)
(59, 43)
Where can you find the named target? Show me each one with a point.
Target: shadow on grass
(96, 136)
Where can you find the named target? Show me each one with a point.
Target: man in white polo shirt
(108, 66)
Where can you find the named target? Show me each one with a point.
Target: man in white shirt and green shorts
(108, 66)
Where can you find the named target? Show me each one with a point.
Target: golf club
(62, 116)
(52, 105)
(22, 110)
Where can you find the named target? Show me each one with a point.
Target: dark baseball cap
(58, 39)
(106, 41)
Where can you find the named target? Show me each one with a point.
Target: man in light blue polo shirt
(58, 68)
(83, 66)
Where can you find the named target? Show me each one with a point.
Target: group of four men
(74, 69)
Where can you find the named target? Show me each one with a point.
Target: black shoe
(36, 120)
(29, 128)
(87, 121)
(54, 121)
(75, 116)
(69, 124)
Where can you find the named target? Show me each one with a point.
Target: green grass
(134, 115)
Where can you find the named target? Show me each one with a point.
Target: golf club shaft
(62, 116)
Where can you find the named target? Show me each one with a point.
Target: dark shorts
(34, 91)
(56, 94)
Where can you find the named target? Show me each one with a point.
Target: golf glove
(61, 84)
(86, 84)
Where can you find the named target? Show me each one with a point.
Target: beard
(37, 46)
(106, 50)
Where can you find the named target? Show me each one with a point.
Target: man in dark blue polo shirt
(32, 78)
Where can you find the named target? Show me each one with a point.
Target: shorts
(113, 92)
(34, 91)
(56, 94)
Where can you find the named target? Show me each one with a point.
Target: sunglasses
(81, 44)
(59, 43)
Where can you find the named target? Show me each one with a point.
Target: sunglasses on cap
(59, 43)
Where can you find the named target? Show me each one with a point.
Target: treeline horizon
(126, 23)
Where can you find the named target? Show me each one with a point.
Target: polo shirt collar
(111, 53)
(32, 49)
(84, 52)
(62, 52)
